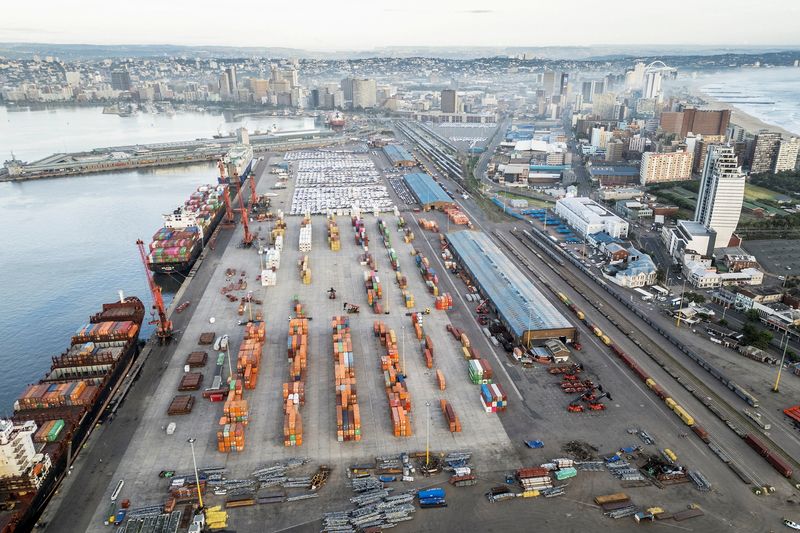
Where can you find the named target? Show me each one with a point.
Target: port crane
(253, 196)
(229, 219)
(163, 324)
(247, 241)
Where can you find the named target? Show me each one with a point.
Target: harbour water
(33, 134)
(769, 94)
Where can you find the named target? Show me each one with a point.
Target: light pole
(680, 310)
(783, 358)
(196, 475)
(403, 346)
(427, 434)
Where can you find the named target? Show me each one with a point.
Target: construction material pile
(430, 225)
(376, 509)
(374, 290)
(394, 381)
(456, 216)
(348, 419)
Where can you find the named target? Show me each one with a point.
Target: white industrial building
(688, 236)
(586, 217)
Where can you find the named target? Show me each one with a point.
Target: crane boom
(163, 324)
(248, 237)
(253, 196)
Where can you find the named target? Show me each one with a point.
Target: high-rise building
(719, 200)
(121, 79)
(697, 121)
(224, 86)
(449, 101)
(652, 84)
(232, 85)
(586, 91)
(765, 152)
(549, 82)
(614, 150)
(669, 166)
(347, 89)
(259, 87)
(364, 93)
(787, 155)
(562, 85)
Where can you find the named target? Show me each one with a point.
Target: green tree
(757, 337)
(752, 315)
(723, 322)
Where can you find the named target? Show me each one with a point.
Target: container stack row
(430, 225)
(453, 423)
(480, 372)
(294, 389)
(361, 232)
(348, 418)
(456, 216)
(372, 284)
(394, 381)
(305, 270)
(333, 235)
(249, 358)
(428, 274)
(383, 229)
(305, 235)
(493, 398)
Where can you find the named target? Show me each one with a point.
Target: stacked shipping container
(294, 389)
(394, 381)
(348, 418)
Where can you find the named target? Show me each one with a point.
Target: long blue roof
(397, 153)
(425, 189)
(520, 304)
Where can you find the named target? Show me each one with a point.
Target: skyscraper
(449, 101)
(765, 151)
(233, 88)
(347, 89)
(719, 200)
(365, 92)
(224, 86)
(586, 92)
(562, 85)
(121, 79)
(549, 82)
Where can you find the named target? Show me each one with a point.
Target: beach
(749, 81)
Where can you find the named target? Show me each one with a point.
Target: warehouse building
(399, 156)
(586, 216)
(428, 193)
(522, 308)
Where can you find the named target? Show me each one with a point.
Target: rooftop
(425, 189)
(521, 305)
(613, 170)
(694, 228)
(397, 153)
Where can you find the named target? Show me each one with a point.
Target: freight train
(773, 458)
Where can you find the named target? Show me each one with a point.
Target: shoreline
(750, 123)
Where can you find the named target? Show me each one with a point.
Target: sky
(332, 25)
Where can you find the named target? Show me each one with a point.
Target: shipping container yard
(324, 359)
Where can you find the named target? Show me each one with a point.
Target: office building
(562, 86)
(347, 88)
(224, 86)
(719, 200)
(661, 167)
(614, 150)
(586, 217)
(786, 159)
(121, 79)
(449, 101)
(586, 92)
(549, 83)
(765, 152)
(700, 148)
(364, 93)
(652, 85)
(689, 237)
(697, 121)
(233, 87)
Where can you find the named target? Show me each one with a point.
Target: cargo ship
(239, 160)
(336, 120)
(53, 418)
(177, 245)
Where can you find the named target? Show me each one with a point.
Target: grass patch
(755, 192)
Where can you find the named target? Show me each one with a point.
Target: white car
(791, 524)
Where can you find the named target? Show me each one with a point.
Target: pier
(156, 155)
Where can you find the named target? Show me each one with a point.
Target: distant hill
(599, 52)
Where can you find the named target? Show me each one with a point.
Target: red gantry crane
(253, 196)
(229, 219)
(163, 324)
(248, 237)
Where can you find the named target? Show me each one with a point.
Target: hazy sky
(353, 25)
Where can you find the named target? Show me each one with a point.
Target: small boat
(791, 524)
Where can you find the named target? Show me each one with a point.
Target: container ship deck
(176, 246)
(53, 418)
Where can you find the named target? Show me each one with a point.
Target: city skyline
(416, 23)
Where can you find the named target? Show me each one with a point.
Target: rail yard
(362, 352)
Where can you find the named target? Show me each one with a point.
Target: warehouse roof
(521, 305)
(425, 189)
(397, 153)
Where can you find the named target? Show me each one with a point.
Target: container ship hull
(183, 267)
(177, 245)
(78, 421)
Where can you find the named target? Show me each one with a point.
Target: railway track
(709, 398)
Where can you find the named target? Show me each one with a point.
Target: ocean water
(34, 134)
(779, 88)
(68, 245)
